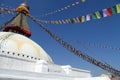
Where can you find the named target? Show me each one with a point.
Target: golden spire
(23, 7)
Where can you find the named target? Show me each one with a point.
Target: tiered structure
(23, 59)
(19, 24)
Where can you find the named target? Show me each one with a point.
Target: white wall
(20, 75)
(13, 61)
(76, 72)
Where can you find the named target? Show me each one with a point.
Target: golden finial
(23, 7)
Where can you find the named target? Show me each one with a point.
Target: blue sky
(103, 31)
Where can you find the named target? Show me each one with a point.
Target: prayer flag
(56, 22)
(118, 8)
(68, 6)
(83, 19)
(69, 20)
(77, 2)
(66, 21)
(73, 4)
(77, 19)
(83, 0)
(94, 16)
(62, 9)
(72, 21)
(52, 22)
(109, 12)
(49, 22)
(104, 12)
(65, 8)
(87, 17)
(63, 21)
(98, 14)
(60, 21)
(114, 10)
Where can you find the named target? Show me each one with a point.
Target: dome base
(12, 42)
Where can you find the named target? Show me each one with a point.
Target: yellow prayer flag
(118, 8)
(83, 0)
(83, 19)
(98, 14)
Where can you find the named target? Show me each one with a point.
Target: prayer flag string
(95, 15)
(98, 46)
(6, 10)
(64, 8)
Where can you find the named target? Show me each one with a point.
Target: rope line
(98, 46)
(3, 38)
(63, 8)
(77, 52)
(6, 23)
(6, 10)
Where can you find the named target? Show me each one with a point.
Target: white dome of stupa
(17, 43)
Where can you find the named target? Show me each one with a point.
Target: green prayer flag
(94, 16)
(72, 21)
(114, 10)
(75, 20)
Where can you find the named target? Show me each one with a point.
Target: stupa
(23, 59)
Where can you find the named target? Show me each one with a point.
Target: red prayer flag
(109, 12)
(79, 19)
